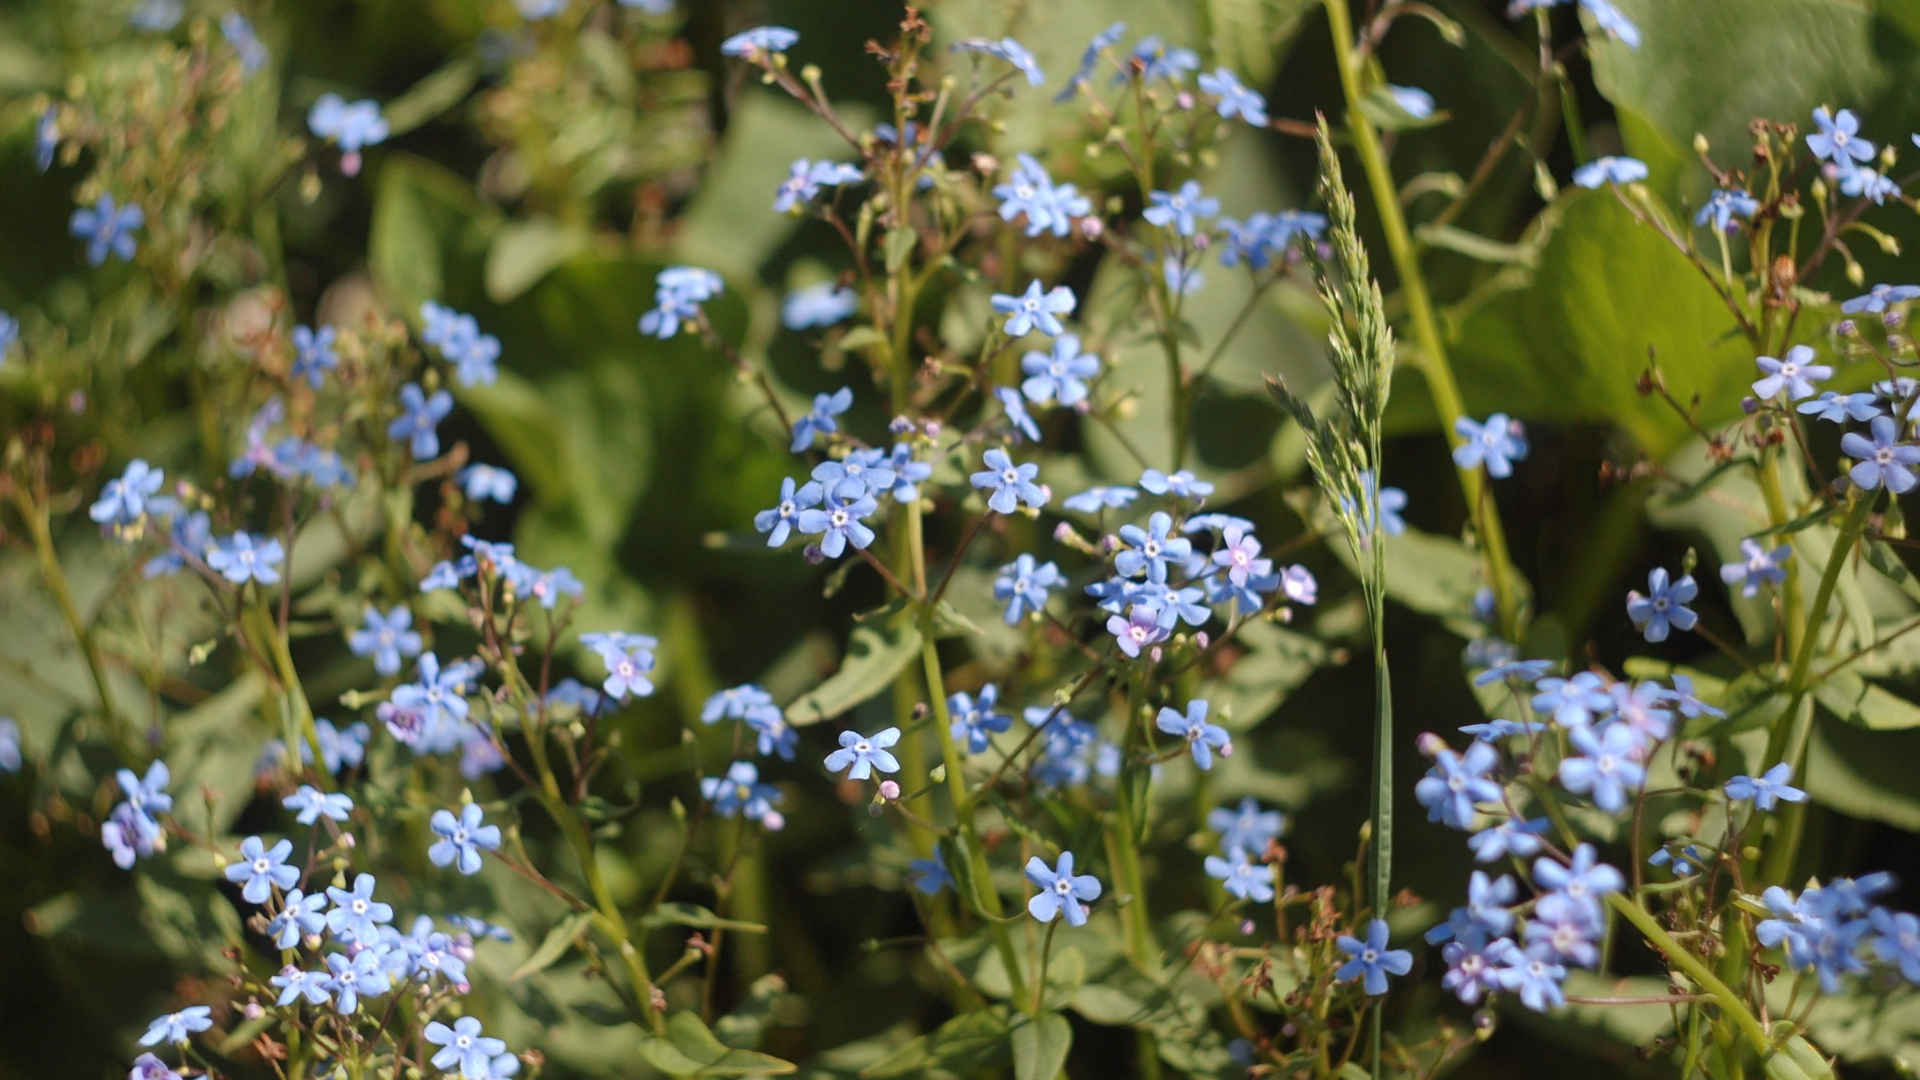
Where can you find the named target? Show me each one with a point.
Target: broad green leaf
(967, 1043)
(427, 226)
(1040, 1047)
(554, 945)
(1276, 662)
(1865, 774)
(876, 652)
(1861, 703)
(690, 1049)
(523, 252)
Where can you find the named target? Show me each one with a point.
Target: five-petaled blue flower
(779, 520)
(106, 227)
(1181, 210)
(1610, 170)
(355, 913)
(1017, 415)
(861, 754)
(930, 875)
(1241, 877)
(1761, 567)
(1150, 549)
(313, 804)
(1605, 767)
(838, 523)
(761, 40)
(1098, 497)
(241, 558)
(1580, 884)
(1035, 309)
(481, 481)
(1884, 460)
(1049, 207)
(859, 474)
(1010, 484)
(1723, 206)
(177, 1027)
(1246, 828)
(1140, 628)
(387, 638)
(1060, 375)
(1009, 50)
(1371, 961)
(419, 418)
(462, 838)
(629, 659)
(1202, 738)
(263, 869)
(1023, 585)
(1498, 443)
(1664, 607)
(313, 354)
(300, 916)
(1235, 99)
(1457, 782)
(1767, 790)
(1796, 372)
(352, 979)
(463, 1048)
(1879, 298)
(1180, 483)
(131, 496)
(820, 417)
(818, 305)
(1838, 139)
(974, 720)
(1061, 890)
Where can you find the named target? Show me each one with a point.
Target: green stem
(1676, 954)
(1426, 328)
(35, 514)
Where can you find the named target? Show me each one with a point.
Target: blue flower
(678, 292)
(1104, 40)
(1157, 62)
(1092, 500)
(1006, 49)
(1613, 22)
(778, 520)
(1683, 698)
(314, 804)
(772, 733)
(1235, 99)
(107, 228)
(1864, 183)
(352, 125)
(128, 835)
(838, 523)
(1456, 782)
(861, 754)
(1512, 837)
(1880, 297)
(178, 1027)
(1150, 549)
(1665, 605)
(1838, 139)
(46, 138)
(147, 795)
(907, 472)
(1839, 408)
(1762, 567)
(740, 793)
(1580, 884)
(858, 475)
(1246, 829)
(1498, 443)
(805, 179)
(1181, 210)
(1010, 484)
(463, 1048)
(974, 720)
(1049, 207)
(313, 354)
(1035, 309)
(1181, 484)
(296, 984)
(1263, 237)
(9, 334)
(462, 839)
(1897, 941)
(239, 34)
(1387, 502)
(488, 482)
(1523, 670)
(300, 916)
(1202, 738)
(387, 638)
(1796, 373)
(9, 745)
(356, 914)
(1059, 376)
(735, 702)
(1241, 878)
(1535, 977)
(1610, 170)
(1239, 553)
(818, 305)
(1474, 972)
(629, 659)
(1723, 206)
(1686, 863)
(1605, 767)
(1574, 701)
(1767, 790)
(126, 500)
(1023, 586)
(1884, 460)
(1412, 100)
(419, 418)
(820, 417)
(1061, 890)
(1181, 279)
(241, 558)
(930, 876)
(440, 694)
(1141, 627)
(1371, 960)
(157, 15)
(352, 979)
(761, 40)
(263, 869)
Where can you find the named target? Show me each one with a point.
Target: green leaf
(1863, 704)
(432, 95)
(900, 244)
(554, 945)
(1862, 773)
(427, 225)
(876, 652)
(690, 1049)
(968, 1043)
(745, 1028)
(1040, 1047)
(1276, 662)
(523, 252)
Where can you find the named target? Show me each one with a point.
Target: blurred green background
(548, 179)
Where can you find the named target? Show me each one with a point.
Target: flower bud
(774, 821)
(1429, 743)
(889, 790)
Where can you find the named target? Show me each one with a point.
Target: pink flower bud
(1201, 639)
(1246, 927)
(889, 790)
(1429, 744)
(773, 822)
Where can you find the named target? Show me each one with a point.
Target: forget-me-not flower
(462, 838)
(1796, 372)
(355, 913)
(464, 1048)
(1604, 768)
(241, 558)
(387, 638)
(1009, 484)
(1760, 567)
(1837, 139)
(300, 916)
(820, 418)
(313, 804)
(1059, 375)
(1235, 99)
(1883, 460)
(107, 227)
(1498, 443)
(1061, 890)
(419, 420)
(1767, 790)
(1664, 606)
(1035, 309)
(1457, 782)
(1240, 877)
(313, 354)
(975, 721)
(178, 1027)
(861, 754)
(838, 523)
(1202, 737)
(779, 520)
(1150, 549)
(1610, 170)
(1723, 206)
(262, 869)
(1370, 960)
(1023, 585)
(818, 305)
(759, 41)
(1879, 298)
(1181, 210)
(128, 498)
